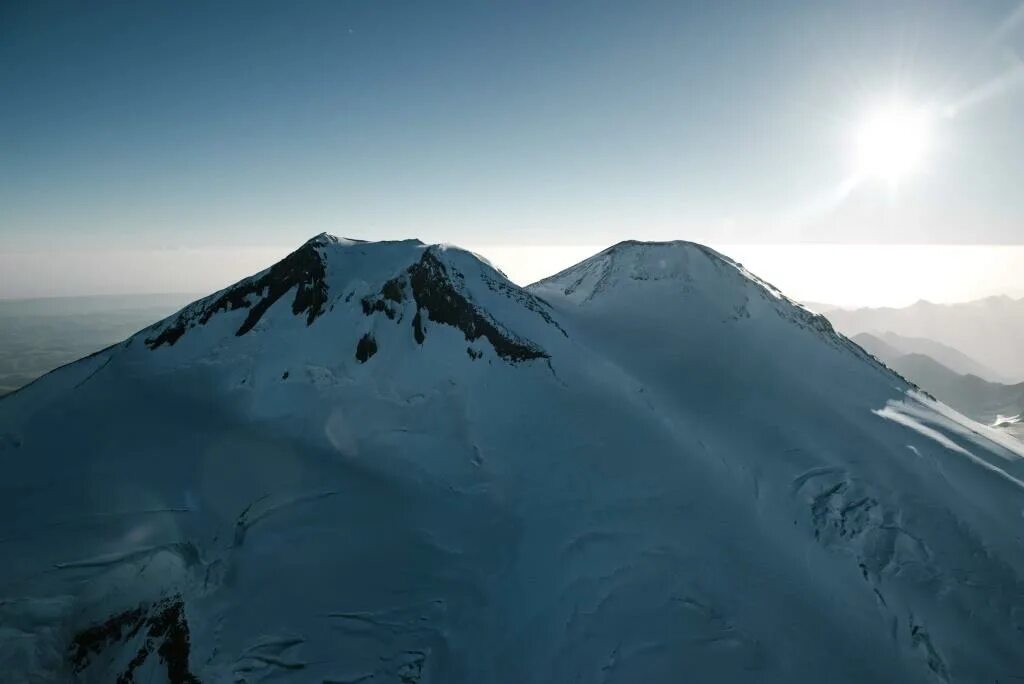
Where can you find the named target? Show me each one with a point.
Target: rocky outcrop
(430, 284)
(160, 627)
(302, 271)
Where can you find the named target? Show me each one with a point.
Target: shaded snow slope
(384, 462)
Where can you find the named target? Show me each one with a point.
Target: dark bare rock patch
(432, 288)
(161, 627)
(303, 270)
(365, 348)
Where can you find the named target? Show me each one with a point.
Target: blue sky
(151, 125)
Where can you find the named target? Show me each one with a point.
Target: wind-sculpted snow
(649, 468)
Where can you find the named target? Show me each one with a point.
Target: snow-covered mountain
(384, 462)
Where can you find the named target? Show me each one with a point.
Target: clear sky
(185, 128)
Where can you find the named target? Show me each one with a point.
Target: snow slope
(384, 462)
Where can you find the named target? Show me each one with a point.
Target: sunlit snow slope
(384, 462)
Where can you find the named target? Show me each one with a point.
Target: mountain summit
(404, 280)
(384, 462)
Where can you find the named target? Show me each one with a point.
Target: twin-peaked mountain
(384, 462)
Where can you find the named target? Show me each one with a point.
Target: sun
(892, 141)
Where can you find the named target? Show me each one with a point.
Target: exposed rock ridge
(304, 270)
(433, 287)
(162, 627)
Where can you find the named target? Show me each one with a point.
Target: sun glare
(892, 141)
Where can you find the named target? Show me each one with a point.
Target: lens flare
(892, 142)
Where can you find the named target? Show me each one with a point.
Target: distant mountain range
(969, 394)
(990, 331)
(953, 359)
